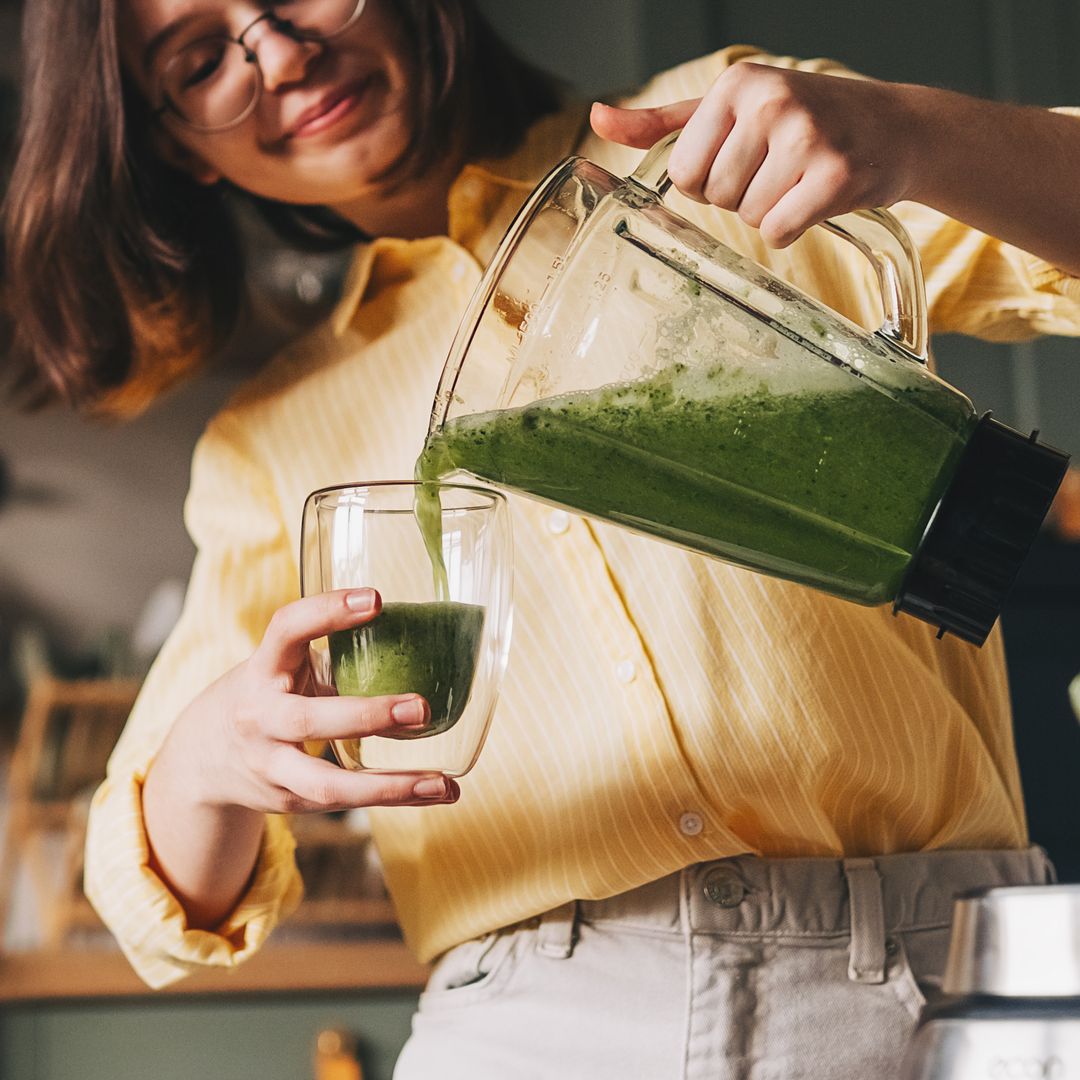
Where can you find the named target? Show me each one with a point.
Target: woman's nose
(283, 59)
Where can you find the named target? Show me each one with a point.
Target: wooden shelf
(345, 913)
(345, 916)
(82, 974)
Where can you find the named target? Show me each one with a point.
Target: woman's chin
(345, 171)
(360, 156)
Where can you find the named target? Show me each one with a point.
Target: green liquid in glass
(427, 649)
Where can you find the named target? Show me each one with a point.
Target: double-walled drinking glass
(444, 627)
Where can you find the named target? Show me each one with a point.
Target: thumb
(640, 127)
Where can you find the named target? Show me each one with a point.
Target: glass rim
(495, 498)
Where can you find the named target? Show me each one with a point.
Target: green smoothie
(427, 649)
(825, 479)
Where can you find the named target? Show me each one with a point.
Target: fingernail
(362, 601)
(409, 713)
(432, 787)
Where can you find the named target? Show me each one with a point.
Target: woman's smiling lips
(332, 107)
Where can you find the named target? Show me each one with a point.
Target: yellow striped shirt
(659, 708)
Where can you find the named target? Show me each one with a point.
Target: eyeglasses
(213, 83)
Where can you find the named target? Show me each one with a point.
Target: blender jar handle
(876, 233)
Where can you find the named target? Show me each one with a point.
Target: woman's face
(332, 116)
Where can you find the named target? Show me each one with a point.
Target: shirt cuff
(1049, 279)
(144, 916)
(1045, 276)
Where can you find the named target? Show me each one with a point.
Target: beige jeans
(740, 969)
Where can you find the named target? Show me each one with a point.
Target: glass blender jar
(617, 361)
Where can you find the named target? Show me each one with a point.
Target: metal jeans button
(723, 887)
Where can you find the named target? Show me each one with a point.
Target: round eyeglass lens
(211, 83)
(318, 18)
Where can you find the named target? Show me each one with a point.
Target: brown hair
(122, 272)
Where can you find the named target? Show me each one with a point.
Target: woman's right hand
(237, 753)
(245, 734)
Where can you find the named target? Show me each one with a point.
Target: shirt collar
(481, 202)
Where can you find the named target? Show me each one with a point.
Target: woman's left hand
(785, 149)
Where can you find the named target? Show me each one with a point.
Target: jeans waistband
(812, 896)
(864, 900)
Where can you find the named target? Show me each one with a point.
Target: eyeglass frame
(251, 56)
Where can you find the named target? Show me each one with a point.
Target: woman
(713, 807)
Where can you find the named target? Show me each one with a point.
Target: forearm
(1010, 171)
(205, 853)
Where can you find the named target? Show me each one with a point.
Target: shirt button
(690, 824)
(724, 888)
(626, 671)
(558, 522)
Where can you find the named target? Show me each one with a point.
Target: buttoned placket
(635, 677)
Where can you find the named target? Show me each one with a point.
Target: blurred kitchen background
(93, 559)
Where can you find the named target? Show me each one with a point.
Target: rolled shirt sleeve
(244, 570)
(1047, 277)
(144, 916)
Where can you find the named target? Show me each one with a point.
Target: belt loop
(866, 962)
(1049, 870)
(558, 931)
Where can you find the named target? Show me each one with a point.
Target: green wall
(239, 1038)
